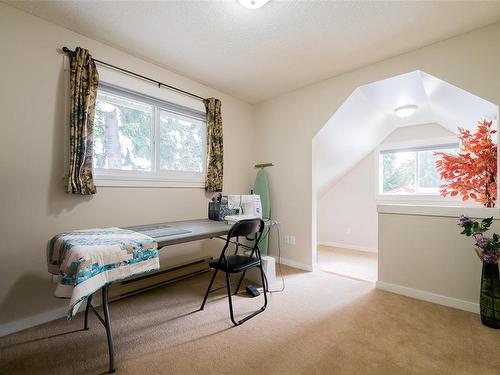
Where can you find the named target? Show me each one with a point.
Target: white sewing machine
(249, 207)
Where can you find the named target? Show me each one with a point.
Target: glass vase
(490, 295)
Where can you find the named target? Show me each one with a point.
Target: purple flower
(490, 257)
(464, 220)
(487, 249)
(481, 241)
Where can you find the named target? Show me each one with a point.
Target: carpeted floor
(321, 324)
(356, 264)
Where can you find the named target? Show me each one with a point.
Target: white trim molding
(112, 181)
(295, 264)
(416, 143)
(365, 249)
(444, 211)
(32, 321)
(429, 297)
(42, 318)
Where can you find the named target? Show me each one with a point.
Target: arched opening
(380, 148)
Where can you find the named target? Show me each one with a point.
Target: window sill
(440, 211)
(417, 199)
(113, 181)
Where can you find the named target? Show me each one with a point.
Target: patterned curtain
(83, 81)
(215, 149)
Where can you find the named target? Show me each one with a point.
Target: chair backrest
(245, 228)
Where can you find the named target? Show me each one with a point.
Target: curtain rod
(160, 84)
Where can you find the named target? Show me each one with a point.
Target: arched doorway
(379, 148)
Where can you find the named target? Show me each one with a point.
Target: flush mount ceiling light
(406, 110)
(253, 4)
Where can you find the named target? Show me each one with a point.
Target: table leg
(107, 325)
(87, 309)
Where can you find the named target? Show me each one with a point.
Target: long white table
(199, 229)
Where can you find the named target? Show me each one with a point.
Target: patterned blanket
(86, 260)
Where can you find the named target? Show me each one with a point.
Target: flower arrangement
(487, 248)
(473, 172)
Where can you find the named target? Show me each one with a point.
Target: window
(411, 171)
(143, 141)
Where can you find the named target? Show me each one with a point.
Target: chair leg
(107, 325)
(208, 290)
(237, 323)
(264, 286)
(239, 283)
(87, 309)
(228, 286)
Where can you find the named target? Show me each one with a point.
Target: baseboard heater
(151, 280)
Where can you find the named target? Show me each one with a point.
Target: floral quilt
(86, 260)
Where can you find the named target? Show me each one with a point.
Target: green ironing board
(261, 187)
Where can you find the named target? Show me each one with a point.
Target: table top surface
(199, 229)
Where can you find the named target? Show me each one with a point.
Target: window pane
(399, 169)
(122, 133)
(428, 177)
(181, 143)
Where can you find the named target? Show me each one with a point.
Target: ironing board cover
(86, 260)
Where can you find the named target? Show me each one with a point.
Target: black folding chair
(240, 263)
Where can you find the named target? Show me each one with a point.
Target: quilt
(86, 260)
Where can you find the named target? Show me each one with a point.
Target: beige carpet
(360, 265)
(321, 324)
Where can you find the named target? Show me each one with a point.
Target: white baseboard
(348, 246)
(295, 264)
(429, 297)
(42, 318)
(32, 321)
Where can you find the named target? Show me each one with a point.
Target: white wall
(347, 212)
(425, 257)
(287, 124)
(34, 205)
(418, 132)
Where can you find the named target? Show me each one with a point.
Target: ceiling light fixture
(406, 110)
(253, 4)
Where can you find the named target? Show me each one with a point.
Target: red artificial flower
(473, 172)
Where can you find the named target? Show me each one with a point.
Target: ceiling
(258, 54)
(367, 117)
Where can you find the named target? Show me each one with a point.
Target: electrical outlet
(288, 239)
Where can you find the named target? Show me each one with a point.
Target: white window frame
(156, 177)
(418, 198)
